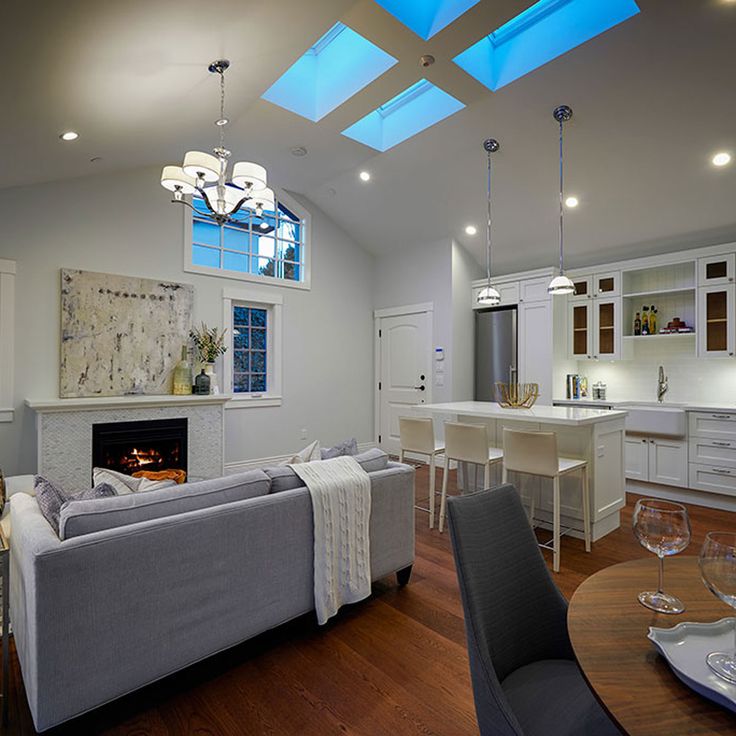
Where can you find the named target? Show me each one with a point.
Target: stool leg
(487, 477)
(586, 508)
(504, 474)
(431, 489)
(401, 455)
(556, 525)
(443, 500)
(533, 502)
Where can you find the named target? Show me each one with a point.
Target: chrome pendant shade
(488, 296)
(561, 284)
(206, 175)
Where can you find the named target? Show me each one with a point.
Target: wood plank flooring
(394, 665)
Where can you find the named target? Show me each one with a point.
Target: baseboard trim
(242, 466)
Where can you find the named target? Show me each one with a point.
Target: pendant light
(561, 284)
(488, 296)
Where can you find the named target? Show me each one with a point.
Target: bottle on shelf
(637, 324)
(645, 320)
(182, 385)
(653, 321)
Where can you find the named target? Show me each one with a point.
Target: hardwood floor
(393, 665)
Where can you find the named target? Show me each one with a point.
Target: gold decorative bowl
(517, 395)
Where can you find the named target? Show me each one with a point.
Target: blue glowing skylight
(427, 17)
(340, 64)
(407, 114)
(541, 33)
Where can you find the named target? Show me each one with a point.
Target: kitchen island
(595, 435)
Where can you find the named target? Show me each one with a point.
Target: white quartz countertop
(724, 407)
(540, 413)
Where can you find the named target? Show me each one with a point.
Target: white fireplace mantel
(137, 401)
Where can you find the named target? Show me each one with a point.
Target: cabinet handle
(721, 416)
(721, 471)
(721, 444)
(643, 440)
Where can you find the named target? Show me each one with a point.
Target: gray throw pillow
(346, 447)
(51, 498)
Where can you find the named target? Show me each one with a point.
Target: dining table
(608, 629)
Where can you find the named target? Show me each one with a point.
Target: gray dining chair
(525, 678)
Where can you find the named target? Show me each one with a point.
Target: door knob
(419, 388)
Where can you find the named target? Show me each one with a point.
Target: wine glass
(718, 570)
(661, 527)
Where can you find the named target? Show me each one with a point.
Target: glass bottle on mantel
(637, 324)
(202, 384)
(183, 375)
(645, 320)
(653, 321)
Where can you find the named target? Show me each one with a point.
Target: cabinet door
(668, 462)
(716, 270)
(607, 333)
(534, 290)
(713, 478)
(607, 284)
(636, 464)
(535, 347)
(580, 332)
(583, 288)
(716, 321)
(509, 292)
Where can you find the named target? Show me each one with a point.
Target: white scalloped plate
(685, 648)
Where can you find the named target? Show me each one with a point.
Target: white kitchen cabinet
(607, 284)
(509, 292)
(716, 270)
(580, 329)
(583, 288)
(708, 451)
(535, 348)
(713, 478)
(716, 330)
(607, 328)
(534, 290)
(717, 425)
(657, 460)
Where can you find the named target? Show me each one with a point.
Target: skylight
(427, 17)
(546, 30)
(339, 64)
(410, 112)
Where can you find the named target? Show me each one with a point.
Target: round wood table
(608, 629)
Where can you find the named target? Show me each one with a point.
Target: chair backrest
(466, 442)
(530, 452)
(416, 434)
(514, 613)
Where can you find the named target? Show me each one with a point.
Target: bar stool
(535, 453)
(416, 435)
(467, 443)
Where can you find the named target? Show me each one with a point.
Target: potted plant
(210, 344)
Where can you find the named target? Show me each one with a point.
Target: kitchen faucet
(662, 385)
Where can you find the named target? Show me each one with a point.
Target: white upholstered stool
(467, 443)
(535, 453)
(416, 436)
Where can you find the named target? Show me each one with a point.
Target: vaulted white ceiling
(653, 100)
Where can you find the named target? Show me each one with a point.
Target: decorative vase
(183, 375)
(209, 370)
(202, 384)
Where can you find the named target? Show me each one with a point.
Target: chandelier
(206, 175)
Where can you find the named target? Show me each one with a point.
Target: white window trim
(7, 339)
(273, 303)
(294, 206)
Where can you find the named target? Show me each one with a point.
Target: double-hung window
(252, 363)
(270, 248)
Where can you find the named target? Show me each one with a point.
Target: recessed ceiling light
(471, 229)
(298, 151)
(572, 202)
(722, 159)
(365, 176)
(70, 135)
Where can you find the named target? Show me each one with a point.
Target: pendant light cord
(488, 224)
(562, 232)
(221, 124)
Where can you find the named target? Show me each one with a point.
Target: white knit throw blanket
(341, 507)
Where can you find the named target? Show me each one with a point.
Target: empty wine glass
(661, 527)
(718, 570)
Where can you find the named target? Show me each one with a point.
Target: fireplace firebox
(130, 447)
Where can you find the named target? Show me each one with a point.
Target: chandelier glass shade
(489, 296)
(205, 175)
(561, 284)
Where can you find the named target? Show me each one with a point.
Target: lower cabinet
(657, 460)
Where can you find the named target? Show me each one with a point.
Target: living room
(245, 245)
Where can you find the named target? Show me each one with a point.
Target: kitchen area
(652, 337)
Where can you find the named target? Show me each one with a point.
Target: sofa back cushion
(78, 518)
(283, 478)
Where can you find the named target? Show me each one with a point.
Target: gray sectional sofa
(143, 585)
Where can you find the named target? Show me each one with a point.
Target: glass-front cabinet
(607, 284)
(581, 334)
(583, 288)
(607, 334)
(716, 270)
(716, 321)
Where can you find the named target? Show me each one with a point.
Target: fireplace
(132, 447)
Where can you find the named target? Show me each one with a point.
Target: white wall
(124, 224)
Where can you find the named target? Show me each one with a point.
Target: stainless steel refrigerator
(495, 350)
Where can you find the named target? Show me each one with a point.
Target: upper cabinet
(583, 288)
(716, 321)
(716, 270)
(607, 284)
(595, 329)
(509, 292)
(534, 290)
(580, 329)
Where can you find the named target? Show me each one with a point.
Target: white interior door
(405, 365)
